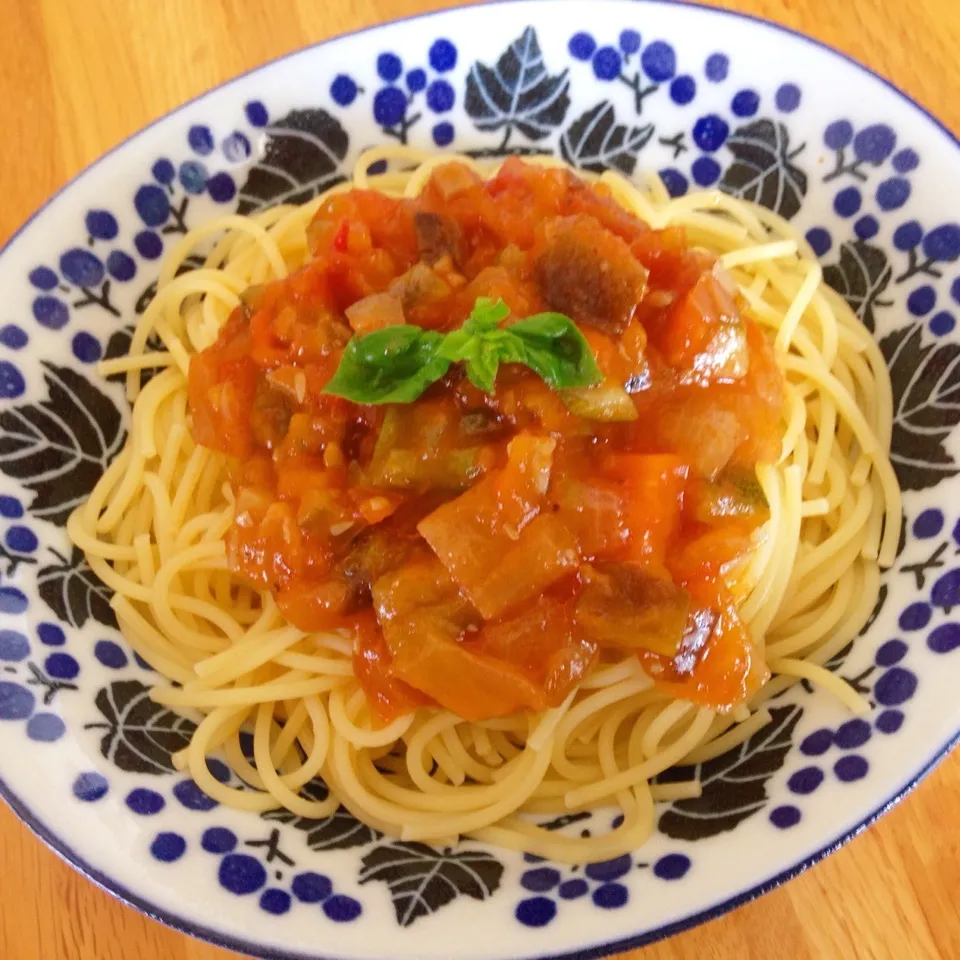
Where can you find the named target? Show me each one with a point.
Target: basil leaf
(486, 316)
(478, 354)
(510, 349)
(393, 365)
(481, 369)
(556, 350)
(483, 353)
(458, 345)
(397, 364)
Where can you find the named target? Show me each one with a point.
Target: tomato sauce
(489, 549)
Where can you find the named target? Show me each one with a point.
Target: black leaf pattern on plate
(192, 262)
(860, 276)
(763, 170)
(517, 93)
(926, 406)
(734, 784)
(59, 448)
(423, 879)
(141, 736)
(302, 159)
(74, 592)
(596, 142)
(340, 831)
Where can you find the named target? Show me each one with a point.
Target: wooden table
(78, 76)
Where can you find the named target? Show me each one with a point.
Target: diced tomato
(297, 480)
(702, 334)
(374, 220)
(653, 486)
(266, 548)
(529, 637)
(666, 256)
(567, 668)
(496, 567)
(389, 698)
(593, 508)
(501, 283)
(708, 550)
(761, 401)
(606, 351)
(528, 401)
(522, 484)
(221, 388)
(528, 195)
(471, 685)
(315, 605)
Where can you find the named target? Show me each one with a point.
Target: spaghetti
(154, 531)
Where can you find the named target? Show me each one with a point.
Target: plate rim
(119, 891)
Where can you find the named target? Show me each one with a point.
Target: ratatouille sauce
(489, 549)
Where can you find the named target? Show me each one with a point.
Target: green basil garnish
(396, 364)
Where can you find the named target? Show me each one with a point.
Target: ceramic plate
(707, 99)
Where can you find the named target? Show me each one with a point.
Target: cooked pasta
(155, 527)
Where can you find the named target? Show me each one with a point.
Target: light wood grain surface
(78, 76)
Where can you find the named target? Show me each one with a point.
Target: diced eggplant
(419, 592)
(379, 549)
(271, 413)
(483, 425)
(589, 273)
(624, 606)
(375, 312)
(438, 236)
(420, 282)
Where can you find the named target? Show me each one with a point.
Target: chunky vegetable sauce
(488, 549)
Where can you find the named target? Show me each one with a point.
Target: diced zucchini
(608, 403)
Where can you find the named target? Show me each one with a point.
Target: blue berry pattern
(605, 885)
(405, 97)
(647, 109)
(261, 870)
(32, 679)
(164, 203)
